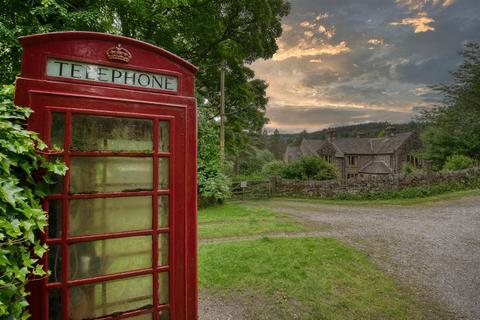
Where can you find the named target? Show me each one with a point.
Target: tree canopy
(208, 33)
(453, 128)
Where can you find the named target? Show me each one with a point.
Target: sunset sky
(353, 61)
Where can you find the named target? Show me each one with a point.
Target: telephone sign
(122, 222)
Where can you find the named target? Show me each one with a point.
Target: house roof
(293, 153)
(384, 145)
(311, 147)
(350, 146)
(375, 167)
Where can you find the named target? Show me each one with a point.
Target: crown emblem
(118, 53)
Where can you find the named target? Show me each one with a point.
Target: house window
(414, 161)
(328, 158)
(352, 175)
(352, 161)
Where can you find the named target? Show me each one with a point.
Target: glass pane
(105, 298)
(163, 288)
(55, 263)
(106, 215)
(164, 139)
(110, 174)
(163, 173)
(163, 211)
(164, 315)
(100, 133)
(57, 130)
(57, 187)
(163, 249)
(54, 304)
(55, 218)
(94, 258)
(142, 317)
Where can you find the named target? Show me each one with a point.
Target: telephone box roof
(72, 35)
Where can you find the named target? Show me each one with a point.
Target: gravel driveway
(433, 248)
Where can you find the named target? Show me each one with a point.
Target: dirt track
(434, 249)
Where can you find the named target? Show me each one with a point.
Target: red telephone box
(122, 222)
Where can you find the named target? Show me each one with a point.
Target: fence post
(428, 167)
(273, 185)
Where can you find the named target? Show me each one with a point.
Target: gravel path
(434, 248)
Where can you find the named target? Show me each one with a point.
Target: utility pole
(222, 113)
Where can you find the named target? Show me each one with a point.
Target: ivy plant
(25, 176)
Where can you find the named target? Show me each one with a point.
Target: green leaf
(38, 271)
(9, 192)
(39, 249)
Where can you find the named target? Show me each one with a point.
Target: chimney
(332, 134)
(389, 131)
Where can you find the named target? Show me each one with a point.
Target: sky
(343, 62)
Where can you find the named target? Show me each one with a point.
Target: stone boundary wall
(328, 188)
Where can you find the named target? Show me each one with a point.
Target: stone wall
(330, 188)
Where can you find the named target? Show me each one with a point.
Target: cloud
(309, 34)
(307, 24)
(317, 81)
(311, 49)
(324, 31)
(418, 5)
(447, 3)
(375, 42)
(321, 16)
(286, 28)
(420, 91)
(420, 23)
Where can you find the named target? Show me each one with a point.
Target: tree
(252, 159)
(274, 168)
(206, 32)
(302, 135)
(453, 128)
(276, 145)
(458, 162)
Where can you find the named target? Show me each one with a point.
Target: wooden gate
(244, 190)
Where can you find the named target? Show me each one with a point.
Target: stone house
(362, 156)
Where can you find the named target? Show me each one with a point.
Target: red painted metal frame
(48, 94)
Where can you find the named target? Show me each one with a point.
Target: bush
(213, 184)
(252, 160)
(250, 177)
(294, 170)
(274, 169)
(458, 162)
(408, 168)
(310, 168)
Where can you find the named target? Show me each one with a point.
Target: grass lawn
(403, 202)
(235, 220)
(301, 278)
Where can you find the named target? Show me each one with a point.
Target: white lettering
(93, 72)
